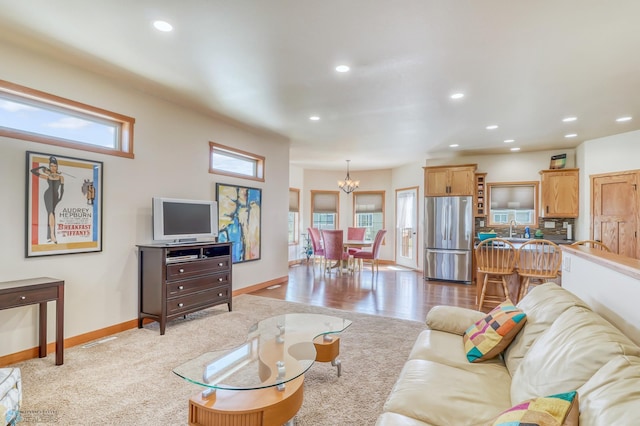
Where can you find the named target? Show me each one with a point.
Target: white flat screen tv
(178, 220)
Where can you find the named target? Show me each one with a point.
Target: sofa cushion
(452, 319)
(563, 358)
(554, 410)
(10, 394)
(543, 304)
(488, 337)
(611, 395)
(439, 394)
(394, 419)
(445, 348)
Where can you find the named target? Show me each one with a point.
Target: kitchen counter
(517, 242)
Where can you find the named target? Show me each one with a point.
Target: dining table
(347, 244)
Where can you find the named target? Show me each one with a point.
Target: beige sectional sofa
(563, 346)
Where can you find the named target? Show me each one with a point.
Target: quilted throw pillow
(491, 335)
(554, 410)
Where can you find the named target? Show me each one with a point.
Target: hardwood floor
(393, 291)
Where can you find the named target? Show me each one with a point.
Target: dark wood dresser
(175, 280)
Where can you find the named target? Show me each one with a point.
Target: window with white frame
(324, 209)
(224, 160)
(36, 116)
(368, 208)
(294, 215)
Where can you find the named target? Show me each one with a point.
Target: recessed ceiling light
(314, 118)
(454, 145)
(515, 149)
(163, 26)
(623, 119)
(457, 96)
(568, 119)
(509, 140)
(571, 135)
(342, 68)
(492, 127)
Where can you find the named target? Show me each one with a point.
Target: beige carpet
(128, 380)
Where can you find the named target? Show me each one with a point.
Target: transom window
(224, 160)
(36, 116)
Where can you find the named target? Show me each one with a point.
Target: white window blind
(369, 203)
(325, 202)
(294, 200)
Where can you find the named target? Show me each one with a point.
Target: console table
(178, 279)
(38, 290)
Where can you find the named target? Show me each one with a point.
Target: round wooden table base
(258, 407)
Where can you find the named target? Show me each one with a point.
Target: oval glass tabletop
(277, 350)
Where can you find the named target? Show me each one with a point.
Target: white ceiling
(523, 65)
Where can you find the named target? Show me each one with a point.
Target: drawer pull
(221, 264)
(181, 270)
(23, 297)
(181, 287)
(220, 294)
(220, 279)
(180, 305)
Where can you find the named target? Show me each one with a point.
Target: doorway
(614, 212)
(407, 227)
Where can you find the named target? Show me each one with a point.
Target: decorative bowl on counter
(486, 235)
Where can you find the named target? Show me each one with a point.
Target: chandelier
(348, 185)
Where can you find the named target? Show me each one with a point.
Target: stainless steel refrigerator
(448, 238)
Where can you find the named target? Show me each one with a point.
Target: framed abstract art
(239, 220)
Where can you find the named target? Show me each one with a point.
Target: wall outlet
(565, 224)
(566, 264)
(482, 223)
(549, 224)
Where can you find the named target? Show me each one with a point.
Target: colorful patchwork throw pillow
(554, 410)
(491, 335)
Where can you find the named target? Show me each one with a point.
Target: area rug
(127, 379)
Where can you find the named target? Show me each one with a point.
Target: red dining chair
(333, 249)
(316, 244)
(372, 254)
(355, 234)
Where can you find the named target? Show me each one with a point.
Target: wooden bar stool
(496, 258)
(538, 260)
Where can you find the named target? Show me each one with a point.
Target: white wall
(608, 292)
(510, 167)
(171, 159)
(604, 155)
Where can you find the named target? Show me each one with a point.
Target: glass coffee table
(260, 381)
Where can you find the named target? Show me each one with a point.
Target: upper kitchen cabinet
(559, 193)
(449, 180)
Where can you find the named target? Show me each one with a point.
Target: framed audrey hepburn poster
(63, 205)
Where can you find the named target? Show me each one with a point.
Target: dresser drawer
(27, 297)
(184, 287)
(197, 268)
(198, 300)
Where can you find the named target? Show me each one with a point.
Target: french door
(407, 227)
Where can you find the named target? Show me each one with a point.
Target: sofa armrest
(452, 319)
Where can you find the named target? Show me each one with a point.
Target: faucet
(512, 223)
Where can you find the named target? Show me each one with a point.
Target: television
(177, 220)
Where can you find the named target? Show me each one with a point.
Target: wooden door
(615, 212)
